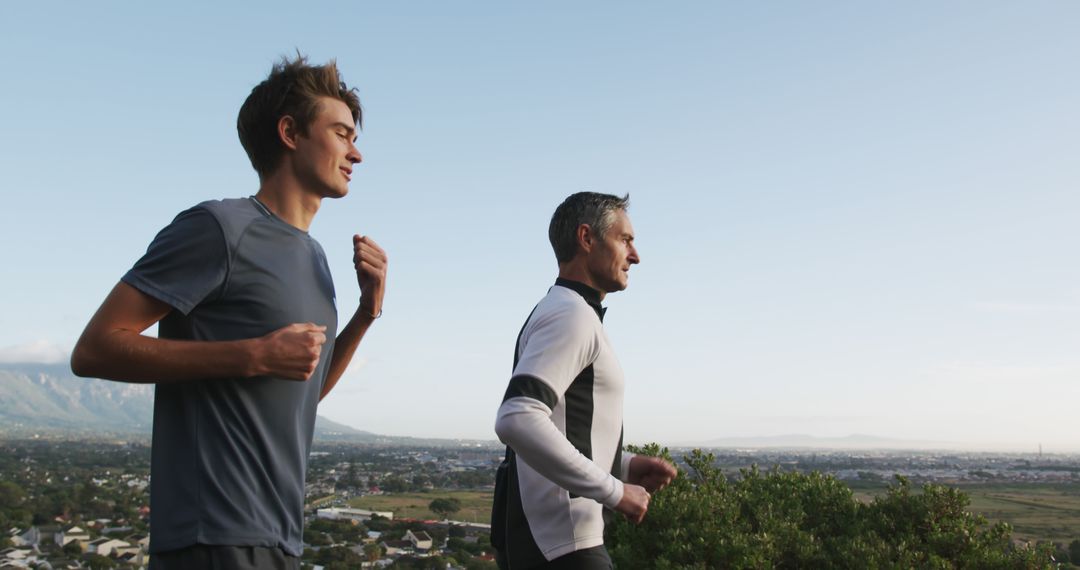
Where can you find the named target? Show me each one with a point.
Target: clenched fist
(634, 503)
(653, 473)
(291, 352)
(370, 262)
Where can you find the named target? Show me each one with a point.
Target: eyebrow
(348, 129)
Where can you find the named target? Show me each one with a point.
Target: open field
(475, 505)
(1035, 511)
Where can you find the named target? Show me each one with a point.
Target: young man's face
(326, 154)
(610, 260)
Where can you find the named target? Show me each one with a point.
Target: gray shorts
(214, 557)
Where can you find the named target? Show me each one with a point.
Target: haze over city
(853, 219)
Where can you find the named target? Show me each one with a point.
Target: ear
(585, 238)
(287, 131)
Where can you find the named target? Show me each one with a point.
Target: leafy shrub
(777, 519)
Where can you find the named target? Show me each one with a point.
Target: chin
(336, 193)
(615, 286)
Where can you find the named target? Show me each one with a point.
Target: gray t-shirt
(229, 455)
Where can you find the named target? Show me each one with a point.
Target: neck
(577, 272)
(286, 198)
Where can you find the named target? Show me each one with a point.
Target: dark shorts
(595, 558)
(212, 557)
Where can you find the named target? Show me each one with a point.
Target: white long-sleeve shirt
(561, 419)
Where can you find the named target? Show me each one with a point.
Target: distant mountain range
(47, 399)
(798, 441)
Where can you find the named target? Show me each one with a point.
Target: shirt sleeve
(186, 264)
(558, 347)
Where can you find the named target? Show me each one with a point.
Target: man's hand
(634, 503)
(370, 262)
(290, 352)
(652, 473)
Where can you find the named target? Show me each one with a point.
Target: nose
(354, 155)
(633, 257)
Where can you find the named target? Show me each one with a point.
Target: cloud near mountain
(36, 352)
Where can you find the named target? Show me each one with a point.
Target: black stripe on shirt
(579, 413)
(527, 386)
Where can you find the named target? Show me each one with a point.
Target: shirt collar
(591, 296)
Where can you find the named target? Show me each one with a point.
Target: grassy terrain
(1035, 511)
(475, 505)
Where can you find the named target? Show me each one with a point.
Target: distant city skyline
(853, 219)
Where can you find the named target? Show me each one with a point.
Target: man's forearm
(345, 347)
(525, 425)
(113, 347)
(624, 465)
(130, 356)
(370, 263)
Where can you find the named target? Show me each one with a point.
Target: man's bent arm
(525, 425)
(113, 347)
(370, 262)
(345, 348)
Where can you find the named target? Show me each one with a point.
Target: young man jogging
(246, 345)
(561, 416)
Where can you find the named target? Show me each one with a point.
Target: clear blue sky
(853, 217)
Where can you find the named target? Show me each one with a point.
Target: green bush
(777, 519)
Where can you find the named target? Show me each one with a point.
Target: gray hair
(595, 210)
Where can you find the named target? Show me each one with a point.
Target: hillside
(40, 399)
(50, 397)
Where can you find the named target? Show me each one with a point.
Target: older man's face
(610, 260)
